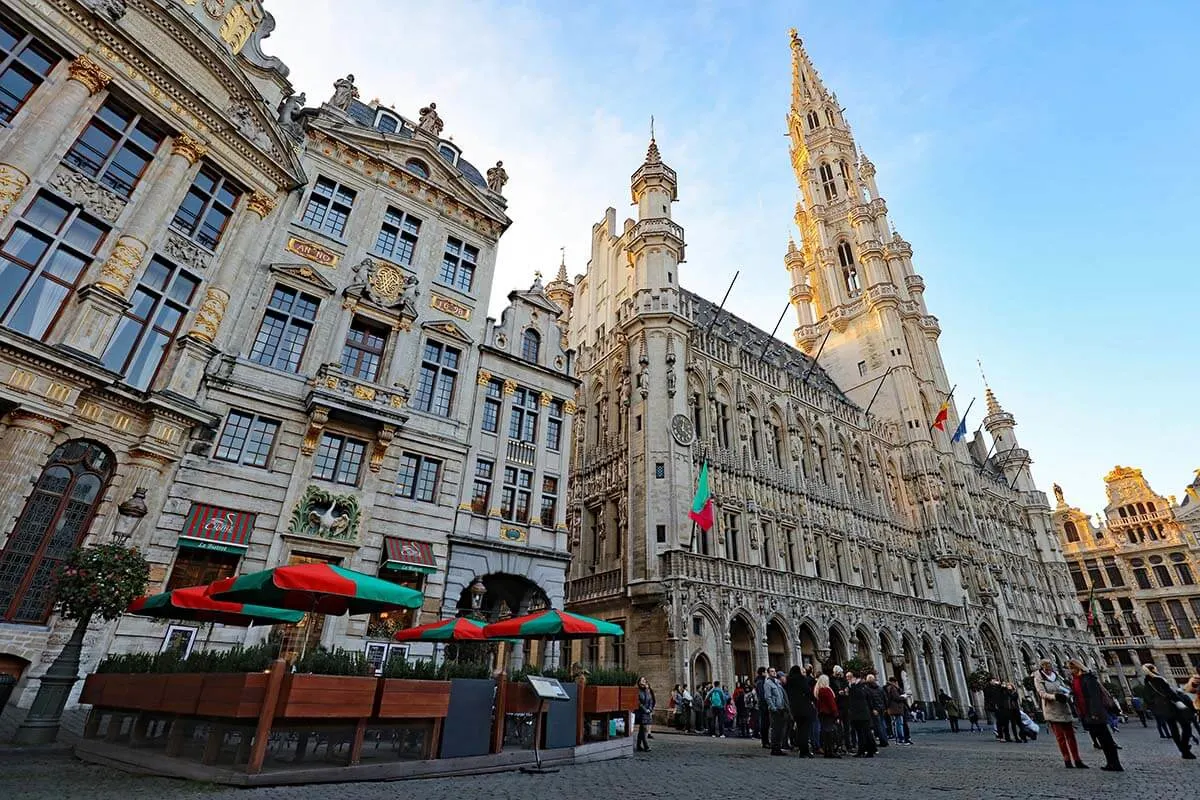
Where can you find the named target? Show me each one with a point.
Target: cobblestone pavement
(963, 765)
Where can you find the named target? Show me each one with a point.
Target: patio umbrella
(193, 605)
(552, 624)
(317, 588)
(459, 629)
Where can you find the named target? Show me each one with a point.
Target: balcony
(1122, 642)
(523, 453)
(357, 400)
(609, 583)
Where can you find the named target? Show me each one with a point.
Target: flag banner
(961, 431)
(702, 509)
(939, 421)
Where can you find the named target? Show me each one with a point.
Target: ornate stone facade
(1135, 572)
(839, 533)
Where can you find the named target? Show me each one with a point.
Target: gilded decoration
(190, 148)
(238, 26)
(260, 203)
(483, 378)
(86, 71)
(210, 314)
(570, 407)
(94, 198)
(12, 183)
(118, 271)
(326, 515)
(311, 251)
(383, 440)
(544, 398)
(510, 386)
(316, 424)
(387, 285)
(448, 306)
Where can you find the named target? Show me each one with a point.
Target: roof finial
(652, 127)
(980, 364)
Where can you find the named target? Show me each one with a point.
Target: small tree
(96, 581)
(978, 680)
(858, 666)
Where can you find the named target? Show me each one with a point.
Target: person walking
(1013, 709)
(827, 713)
(644, 714)
(973, 718)
(717, 700)
(878, 710)
(1139, 708)
(858, 709)
(777, 710)
(802, 704)
(1167, 705)
(995, 700)
(953, 713)
(1054, 694)
(1092, 703)
(897, 708)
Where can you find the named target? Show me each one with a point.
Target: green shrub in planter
(235, 659)
(612, 677)
(333, 662)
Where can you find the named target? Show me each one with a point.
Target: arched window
(847, 178)
(52, 524)
(829, 117)
(531, 344)
(814, 121)
(827, 183)
(850, 274)
(845, 254)
(1072, 532)
(417, 167)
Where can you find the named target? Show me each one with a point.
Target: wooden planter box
(133, 692)
(325, 696)
(519, 698)
(412, 699)
(237, 695)
(93, 689)
(629, 698)
(181, 693)
(601, 699)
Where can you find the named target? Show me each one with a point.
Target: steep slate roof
(751, 338)
(364, 115)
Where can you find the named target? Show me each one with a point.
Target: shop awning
(211, 527)
(408, 554)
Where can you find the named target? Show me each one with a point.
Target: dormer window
(417, 167)
(531, 344)
(448, 152)
(388, 123)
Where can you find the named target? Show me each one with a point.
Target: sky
(1040, 157)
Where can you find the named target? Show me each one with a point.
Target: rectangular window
(439, 372)
(722, 425)
(418, 477)
(246, 439)
(618, 646)
(732, 544)
(776, 443)
(1180, 618)
(1158, 616)
(339, 459)
(481, 489)
(491, 406)
(1141, 577)
(196, 567)
(207, 208)
(768, 547)
(115, 147)
(549, 502)
(1131, 620)
(458, 265)
(24, 64)
(1115, 578)
(328, 207)
(862, 369)
(660, 470)
(285, 329)
(554, 425)
(42, 261)
(789, 536)
(1096, 580)
(362, 353)
(522, 420)
(660, 534)
(516, 495)
(149, 326)
(398, 236)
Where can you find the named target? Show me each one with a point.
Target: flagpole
(962, 423)
(723, 299)
(877, 388)
(820, 350)
(778, 322)
(986, 455)
(945, 402)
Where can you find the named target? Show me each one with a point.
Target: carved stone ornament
(113, 9)
(86, 71)
(190, 148)
(94, 198)
(326, 515)
(387, 285)
(483, 378)
(316, 423)
(118, 271)
(260, 203)
(210, 314)
(186, 252)
(510, 386)
(12, 183)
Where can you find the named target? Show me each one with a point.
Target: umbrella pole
(208, 635)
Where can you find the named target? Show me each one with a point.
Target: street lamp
(129, 514)
(477, 590)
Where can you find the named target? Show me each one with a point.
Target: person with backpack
(717, 700)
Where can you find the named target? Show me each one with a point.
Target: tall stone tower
(852, 279)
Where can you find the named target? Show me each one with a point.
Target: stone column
(939, 667)
(206, 335)
(961, 677)
(40, 135)
(102, 302)
(23, 450)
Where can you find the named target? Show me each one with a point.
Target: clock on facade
(681, 429)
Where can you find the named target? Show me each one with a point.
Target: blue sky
(1038, 155)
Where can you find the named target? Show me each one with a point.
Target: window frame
(523, 416)
(362, 358)
(555, 422)
(531, 345)
(290, 322)
(418, 487)
(344, 441)
(549, 493)
(12, 60)
(455, 265)
(484, 478)
(328, 200)
(211, 200)
(177, 580)
(493, 405)
(516, 493)
(404, 235)
(75, 159)
(256, 423)
(424, 397)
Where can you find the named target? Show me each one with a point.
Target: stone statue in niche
(497, 176)
(344, 91)
(429, 121)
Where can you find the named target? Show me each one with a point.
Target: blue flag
(961, 431)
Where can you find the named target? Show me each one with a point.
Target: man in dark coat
(841, 686)
(764, 714)
(1092, 704)
(995, 700)
(804, 710)
(858, 709)
(878, 710)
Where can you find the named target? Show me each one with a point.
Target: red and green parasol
(459, 629)
(317, 588)
(552, 624)
(192, 604)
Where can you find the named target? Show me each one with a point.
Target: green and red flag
(552, 624)
(317, 588)
(459, 629)
(702, 509)
(193, 605)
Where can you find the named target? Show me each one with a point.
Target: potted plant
(336, 683)
(609, 691)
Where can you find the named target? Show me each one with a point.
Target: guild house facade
(838, 533)
(1135, 572)
(272, 318)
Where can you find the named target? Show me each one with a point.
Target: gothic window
(814, 121)
(754, 450)
(1163, 576)
(41, 262)
(328, 208)
(397, 237)
(531, 345)
(768, 546)
(847, 178)
(776, 443)
(1071, 531)
(115, 147)
(206, 208)
(733, 545)
(722, 424)
(697, 418)
(52, 524)
(829, 117)
(458, 265)
(285, 329)
(149, 326)
(24, 64)
(827, 183)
